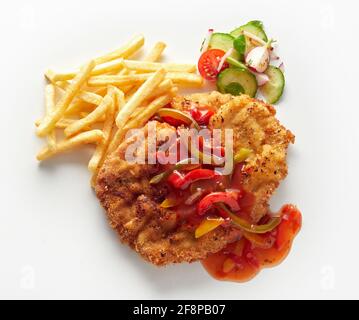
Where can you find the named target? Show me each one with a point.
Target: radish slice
(262, 78)
(224, 58)
(207, 40)
(254, 37)
(274, 56)
(281, 67)
(258, 59)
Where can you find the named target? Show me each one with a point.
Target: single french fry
(118, 80)
(101, 147)
(119, 97)
(156, 52)
(185, 79)
(88, 137)
(50, 106)
(75, 107)
(91, 118)
(90, 97)
(165, 86)
(127, 50)
(141, 95)
(50, 120)
(179, 78)
(54, 77)
(143, 66)
(65, 122)
(149, 111)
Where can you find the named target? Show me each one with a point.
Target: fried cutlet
(133, 204)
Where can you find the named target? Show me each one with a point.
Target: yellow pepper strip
(170, 203)
(179, 115)
(207, 226)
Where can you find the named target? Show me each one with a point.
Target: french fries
(152, 56)
(118, 81)
(54, 77)
(126, 51)
(91, 118)
(50, 106)
(141, 95)
(107, 129)
(154, 66)
(50, 120)
(180, 78)
(156, 52)
(104, 99)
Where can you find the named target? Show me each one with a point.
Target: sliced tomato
(208, 64)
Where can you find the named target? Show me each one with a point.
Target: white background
(54, 238)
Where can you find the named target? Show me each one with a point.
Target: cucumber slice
(222, 41)
(237, 81)
(273, 89)
(252, 28)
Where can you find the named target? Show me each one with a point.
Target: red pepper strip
(182, 182)
(173, 121)
(181, 165)
(229, 198)
(202, 116)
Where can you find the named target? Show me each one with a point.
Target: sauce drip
(244, 259)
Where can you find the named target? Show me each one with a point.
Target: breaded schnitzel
(133, 204)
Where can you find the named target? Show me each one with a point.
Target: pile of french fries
(99, 103)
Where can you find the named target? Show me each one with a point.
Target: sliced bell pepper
(170, 203)
(186, 163)
(207, 226)
(229, 198)
(176, 117)
(201, 115)
(243, 224)
(181, 181)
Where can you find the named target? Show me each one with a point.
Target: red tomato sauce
(243, 260)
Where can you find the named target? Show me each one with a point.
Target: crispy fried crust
(132, 204)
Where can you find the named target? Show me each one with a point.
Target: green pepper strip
(178, 166)
(179, 115)
(241, 223)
